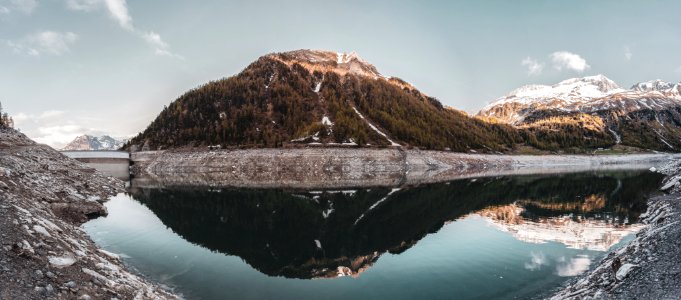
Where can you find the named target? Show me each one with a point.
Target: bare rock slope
(44, 197)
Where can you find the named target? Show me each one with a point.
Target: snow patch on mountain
(326, 121)
(392, 143)
(653, 85)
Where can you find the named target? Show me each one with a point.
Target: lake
(484, 238)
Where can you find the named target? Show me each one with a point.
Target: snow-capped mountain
(88, 142)
(587, 95)
(647, 115)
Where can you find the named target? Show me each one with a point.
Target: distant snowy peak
(586, 94)
(666, 89)
(88, 142)
(653, 85)
(571, 89)
(604, 84)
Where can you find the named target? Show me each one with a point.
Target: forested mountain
(317, 97)
(322, 98)
(648, 115)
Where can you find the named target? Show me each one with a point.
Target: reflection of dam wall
(342, 168)
(111, 163)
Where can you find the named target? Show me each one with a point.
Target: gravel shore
(649, 267)
(44, 197)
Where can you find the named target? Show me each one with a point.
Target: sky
(72, 67)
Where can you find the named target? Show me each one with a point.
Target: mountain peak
(653, 85)
(89, 142)
(328, 61)
(585, 94)
(603, 83)
(590, 87)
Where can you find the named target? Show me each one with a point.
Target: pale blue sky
(69, 67)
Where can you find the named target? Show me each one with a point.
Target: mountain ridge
(316, 98)
(93, 143)
(648, 115)
(585, 94)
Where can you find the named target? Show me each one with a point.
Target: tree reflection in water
(326, 234)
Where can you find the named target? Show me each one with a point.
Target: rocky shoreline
(649, 267)
(44, 197)
(44, 254)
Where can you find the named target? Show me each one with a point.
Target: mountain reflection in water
(326, 234)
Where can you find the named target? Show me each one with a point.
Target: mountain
(323, 98)
(313, 97)
(88, 142)
(648, 115)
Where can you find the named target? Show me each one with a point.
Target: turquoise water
(488, 238)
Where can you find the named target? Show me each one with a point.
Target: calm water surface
(486, 238)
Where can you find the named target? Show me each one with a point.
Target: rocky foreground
(44, 197)
(649, 267)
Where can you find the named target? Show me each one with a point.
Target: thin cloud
(24, 6)
(538, 260)
(154, 39)
(58, 136)
(44, 116)
(533, 66)
(83, 5)
(627, 53)
(568, 60)
(162, 48)
(574, 266)
(49, 127)
(44, 43)
(118, 10)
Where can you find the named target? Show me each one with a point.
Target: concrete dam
(111, 163)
